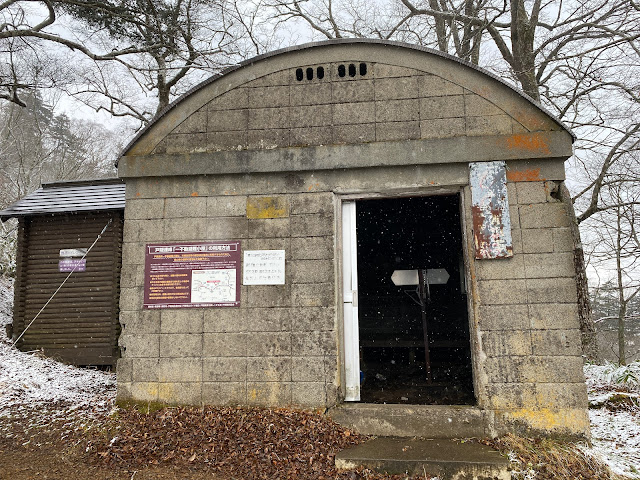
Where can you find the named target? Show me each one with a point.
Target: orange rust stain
(477, 218)
(137, 194)
(528, 175)
(194, 194)
(531, 142)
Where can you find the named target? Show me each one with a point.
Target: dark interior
(405, 234)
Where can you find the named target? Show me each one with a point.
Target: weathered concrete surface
(437, 421)
(264, 105)
(528, 362)
(264, 158)
(446, 459)
(330, 157)
(281, 346)
(278, 348)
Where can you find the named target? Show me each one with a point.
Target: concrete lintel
(538, 145)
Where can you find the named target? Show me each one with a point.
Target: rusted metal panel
(80, 324)
(490, 210)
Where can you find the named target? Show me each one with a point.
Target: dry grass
(549, 459)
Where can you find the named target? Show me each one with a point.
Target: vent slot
(352, 69)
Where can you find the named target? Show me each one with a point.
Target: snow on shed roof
(68, 197)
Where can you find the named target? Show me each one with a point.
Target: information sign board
(72, 265)
(181, 275)
(263, 267)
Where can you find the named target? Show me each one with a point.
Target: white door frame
(350, 301)
(350, 324)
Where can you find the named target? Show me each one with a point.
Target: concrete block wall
(281, 347)
(527, 342)
(387, 103)
(408, 126)
(278, 348)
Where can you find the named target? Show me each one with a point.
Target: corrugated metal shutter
(80, 325)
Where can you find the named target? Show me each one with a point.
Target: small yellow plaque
(267, 207)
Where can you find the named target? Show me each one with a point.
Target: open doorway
(413, 329)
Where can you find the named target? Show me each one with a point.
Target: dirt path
(52, 464)
(213, 443)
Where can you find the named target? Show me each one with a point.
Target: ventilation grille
(343, 70)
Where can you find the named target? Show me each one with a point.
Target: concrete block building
(365, 226)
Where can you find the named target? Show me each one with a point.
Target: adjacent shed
(56, 225)
(367, 226)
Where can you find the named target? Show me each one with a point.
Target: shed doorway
(406, 321)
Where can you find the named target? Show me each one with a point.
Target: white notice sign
(263, 267)
(72, 252)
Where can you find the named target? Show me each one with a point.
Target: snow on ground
(27, 379)
(40, 389)
(614, 399)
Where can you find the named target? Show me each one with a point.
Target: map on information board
(181, 275)
(213, 285)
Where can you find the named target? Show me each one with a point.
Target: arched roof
(526, 114)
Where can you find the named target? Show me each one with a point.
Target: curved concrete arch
(527, 115)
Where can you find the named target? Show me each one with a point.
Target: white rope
(64, 281)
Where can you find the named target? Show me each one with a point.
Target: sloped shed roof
(69, 197)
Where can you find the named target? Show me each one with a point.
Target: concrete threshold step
(431, 421)
(447, 459)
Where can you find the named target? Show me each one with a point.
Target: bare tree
(616, 251)
(157, 48)
(27, 29)
(177, 42)
(37, 146)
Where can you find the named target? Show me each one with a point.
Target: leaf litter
(43, 402)
(242, 443)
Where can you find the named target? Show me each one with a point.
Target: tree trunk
(587, 327)
(522, 37)
(622, 356)
(622, 304)
(441, 28)
(161, 83)
(163, 98)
